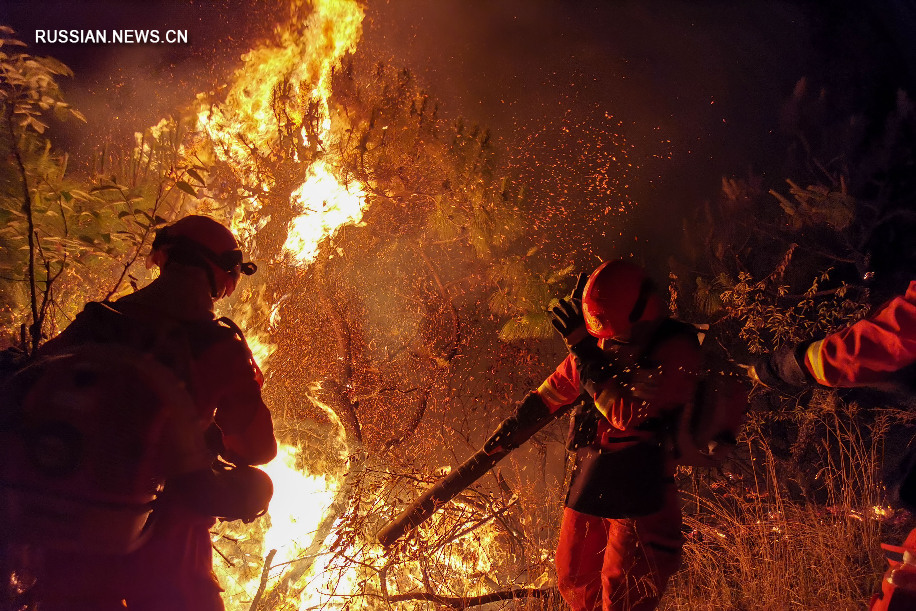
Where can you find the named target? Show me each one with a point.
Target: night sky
(698, 87)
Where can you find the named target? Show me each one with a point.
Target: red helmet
(618, 294)
(203, 242)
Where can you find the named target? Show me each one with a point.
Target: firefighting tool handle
(458, 480)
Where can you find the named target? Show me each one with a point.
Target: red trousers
(898, 588)
(618, 564)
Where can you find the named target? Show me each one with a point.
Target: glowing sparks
(327, 206)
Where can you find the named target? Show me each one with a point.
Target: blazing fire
(326, 206)
(297, 67)
(304, 554)
(243, 128)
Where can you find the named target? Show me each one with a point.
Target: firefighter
(620, 538)
(875, 351)
(200, 262)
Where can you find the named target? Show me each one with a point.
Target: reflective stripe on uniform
(815, 362)
(551, 396)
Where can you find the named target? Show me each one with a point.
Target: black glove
(529, 413)
(224, 491)
(783, 370)
(567, 317)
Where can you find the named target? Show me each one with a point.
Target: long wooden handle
(452, 484)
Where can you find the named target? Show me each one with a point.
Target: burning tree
(390, 239)
(387, 235)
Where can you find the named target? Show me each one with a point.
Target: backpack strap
(228, 322)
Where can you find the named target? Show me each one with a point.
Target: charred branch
(412, 424)
(337, 390)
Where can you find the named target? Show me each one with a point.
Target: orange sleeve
(868, 351)
(562, 387)
(241, 414)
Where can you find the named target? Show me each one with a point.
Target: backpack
(90, 432)
(708, 426)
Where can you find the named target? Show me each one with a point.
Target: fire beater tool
(458, 480)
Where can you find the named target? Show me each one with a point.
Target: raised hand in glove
(567, 317)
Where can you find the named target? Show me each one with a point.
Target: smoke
(125, 88)
(694, 89)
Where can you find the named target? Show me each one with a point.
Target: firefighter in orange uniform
(200, 262)
(871, 352)
(620, 538)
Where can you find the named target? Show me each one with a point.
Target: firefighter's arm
(251, 442)
(557, 391)
(245, 421)
(870, 349)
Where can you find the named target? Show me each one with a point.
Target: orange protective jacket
(869, 351)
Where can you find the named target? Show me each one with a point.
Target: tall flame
(295, 72)
(327, 206)
(245, 127)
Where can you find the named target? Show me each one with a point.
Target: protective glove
(783, 370)
(567, 317)
(224, 491)
(569, 321)
(529, 413)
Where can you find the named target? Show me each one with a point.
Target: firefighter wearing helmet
(620, 538)
(200, 262)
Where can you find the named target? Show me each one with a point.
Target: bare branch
(263, 584)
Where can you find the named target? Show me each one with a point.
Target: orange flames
(297, 67)
(242, 129)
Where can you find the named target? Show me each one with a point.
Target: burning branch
(335, 390)
(263, 583)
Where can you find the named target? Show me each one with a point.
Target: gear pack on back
(90, 431)
(707, 428)
(709, 425)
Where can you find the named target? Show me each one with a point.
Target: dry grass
(759, 547)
